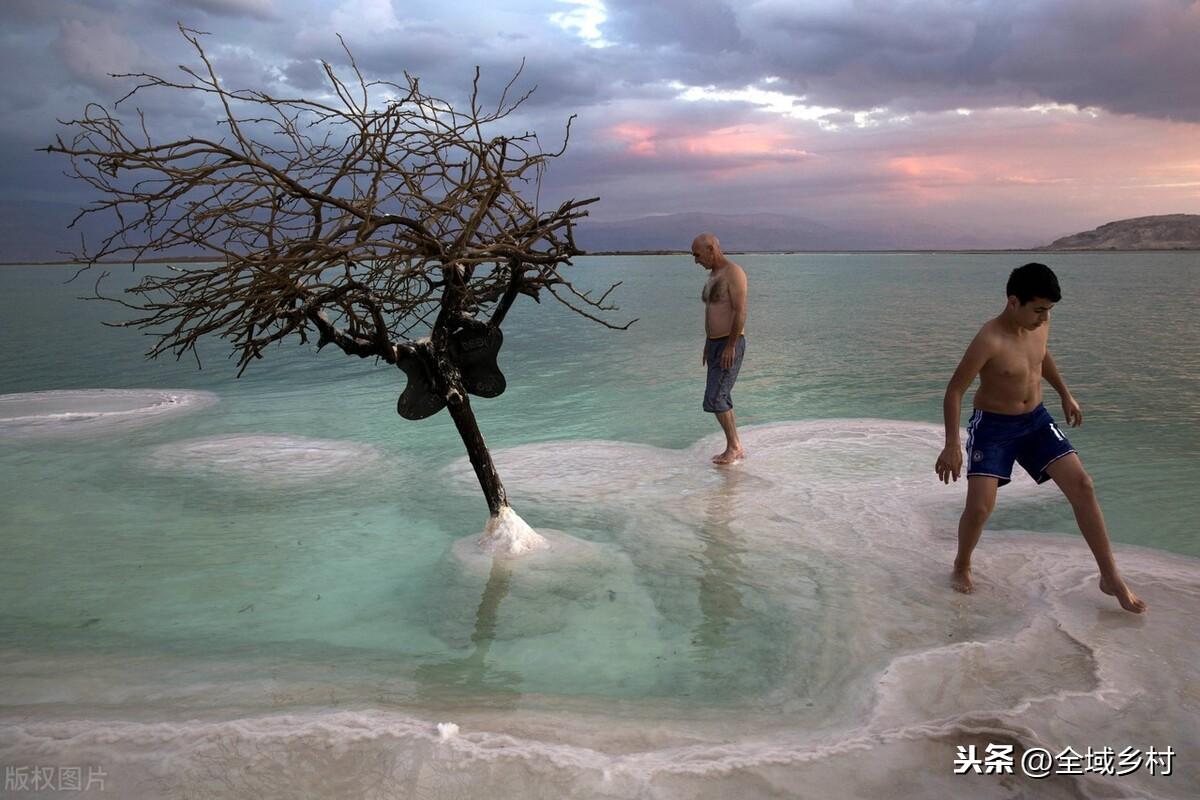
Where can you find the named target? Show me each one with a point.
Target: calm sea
(286, 547)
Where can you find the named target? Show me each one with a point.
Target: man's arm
(737, 299)
(949, 463)
(1071, 409)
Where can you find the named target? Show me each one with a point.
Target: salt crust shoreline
(1070, 662)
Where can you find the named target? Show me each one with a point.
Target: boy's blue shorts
(994, 441)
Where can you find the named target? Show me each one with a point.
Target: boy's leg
(981, 499)
(1076, 484)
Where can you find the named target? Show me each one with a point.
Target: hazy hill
(1163, 232)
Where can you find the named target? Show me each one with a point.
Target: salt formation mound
(557, 557)
(508, 534)
(276, 460)
(571, 467)
(83, 412)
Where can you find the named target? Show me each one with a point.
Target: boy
(1010, 356)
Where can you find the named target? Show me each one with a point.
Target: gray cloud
(1137, 58)
(701, 26)
(94, 51)
(257, 9)
(306, 74)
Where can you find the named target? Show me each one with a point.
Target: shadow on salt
(93, 412)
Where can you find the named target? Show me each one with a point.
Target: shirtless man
(1010, 356)
(724, 299)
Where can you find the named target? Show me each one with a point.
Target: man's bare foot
(960, 579)
(1128, 600)
(729, 457)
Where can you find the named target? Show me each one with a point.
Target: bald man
(724, 299)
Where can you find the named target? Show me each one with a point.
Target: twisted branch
(360, 220)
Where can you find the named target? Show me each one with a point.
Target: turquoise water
(830, 336)
(754, 600)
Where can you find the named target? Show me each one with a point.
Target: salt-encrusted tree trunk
(378, 219)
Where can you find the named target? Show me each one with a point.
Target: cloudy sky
(1009, 122)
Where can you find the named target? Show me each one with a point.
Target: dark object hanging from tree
(474, 347)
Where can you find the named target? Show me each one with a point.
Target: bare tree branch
(378, 219)
(403, 188)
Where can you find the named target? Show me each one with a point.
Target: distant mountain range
(741, 232)
(1163, 232)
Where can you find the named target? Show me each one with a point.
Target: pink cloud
(742, 140)
(714, 151)
(932, 170)
(638, 139)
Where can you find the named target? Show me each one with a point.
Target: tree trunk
(464, 419)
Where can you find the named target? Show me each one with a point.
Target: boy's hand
(949, 463)
(704, 355)
(1072, 412)
(727, 356)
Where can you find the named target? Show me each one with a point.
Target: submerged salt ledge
(267, 458)
(843, 525)
(79, 412)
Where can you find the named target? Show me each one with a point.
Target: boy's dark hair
(1033, 280)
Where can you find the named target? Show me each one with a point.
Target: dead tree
(380, 220)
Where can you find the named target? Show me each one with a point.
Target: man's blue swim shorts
(717, 397)
(1032, 439)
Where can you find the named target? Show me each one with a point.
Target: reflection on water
(472, 672)
(721, 568)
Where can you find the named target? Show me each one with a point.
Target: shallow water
(273, 595)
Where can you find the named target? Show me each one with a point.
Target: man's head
(1032, 291)
(706, 250)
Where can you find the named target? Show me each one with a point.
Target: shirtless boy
(1010, 356)
(724, 299)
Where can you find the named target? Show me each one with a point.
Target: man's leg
(1076, 484)
(733, 444)
(981, 499)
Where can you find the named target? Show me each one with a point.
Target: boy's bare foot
(729, 457)
(1128, 600)
(960, 579)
